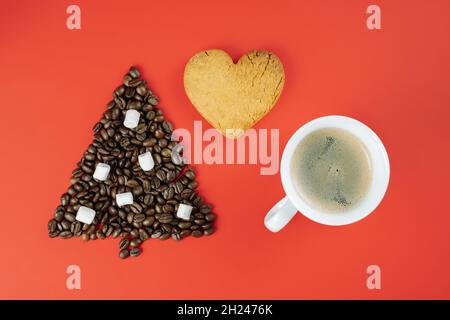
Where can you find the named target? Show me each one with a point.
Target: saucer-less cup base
(280, 215)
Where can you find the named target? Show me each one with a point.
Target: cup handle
(280, 215)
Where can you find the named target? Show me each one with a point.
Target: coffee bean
(124, 142)
(135, 252)
(186, 193)
(90, 157)
(163, 143)
(66, 234)
(157, 158)
(167, 208)
(124, 243)
(119, 91)
(168, 193)
(159, 134)
(190, 174)
(199, 221)
(178, 187)
(129, 92)
(208, 231)
(86, 177)
(98, 126)
(167, 127)
(167, 153)
(109, 231)
(150, 142)
(100, 234)
(205, 209)
(134, 104)
(139, 217)
(141, 90)
(104, 134)
(135, 243)
(65, 198)
(134, 72)
(153, 101)
(136, 207)
(52, 225)
(159, 118)
(165, 236)
(65, 224)
(143, 235)
(53, 234)
(120, 101)
(192, 185)
(167, 228)
(123, 254)
(197, 233)
(176, 236)
(146, 188)
(87, 169)
(134, 233)
(184, 224)
(59, 216)
(161, 175)
(131, 183)
(126, 79)
(210, 217)
(156, 234)
(75, 228)
(115, 113)
(155, 183)
(185, 233)
(116, 233)
(166, 218)
(197, 201)
(134, 82)
(148, 221)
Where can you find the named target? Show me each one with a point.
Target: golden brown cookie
(233, 96)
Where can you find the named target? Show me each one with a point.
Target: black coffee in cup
(331, 170)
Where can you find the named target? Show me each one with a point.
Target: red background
(55, 84)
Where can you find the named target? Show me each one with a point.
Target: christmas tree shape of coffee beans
(157, 193)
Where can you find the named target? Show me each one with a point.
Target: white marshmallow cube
(146, 161)
(123, 199)
(184, 211)
(85, 215)
(101, 171)
(131, 119)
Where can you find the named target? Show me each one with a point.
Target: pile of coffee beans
(157, 193)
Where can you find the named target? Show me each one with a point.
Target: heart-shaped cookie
(233, 97)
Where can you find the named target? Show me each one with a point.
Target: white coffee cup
(280, 215)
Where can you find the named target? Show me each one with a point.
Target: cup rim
(379, 162)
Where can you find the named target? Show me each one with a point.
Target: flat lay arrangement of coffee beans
(131, 183)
